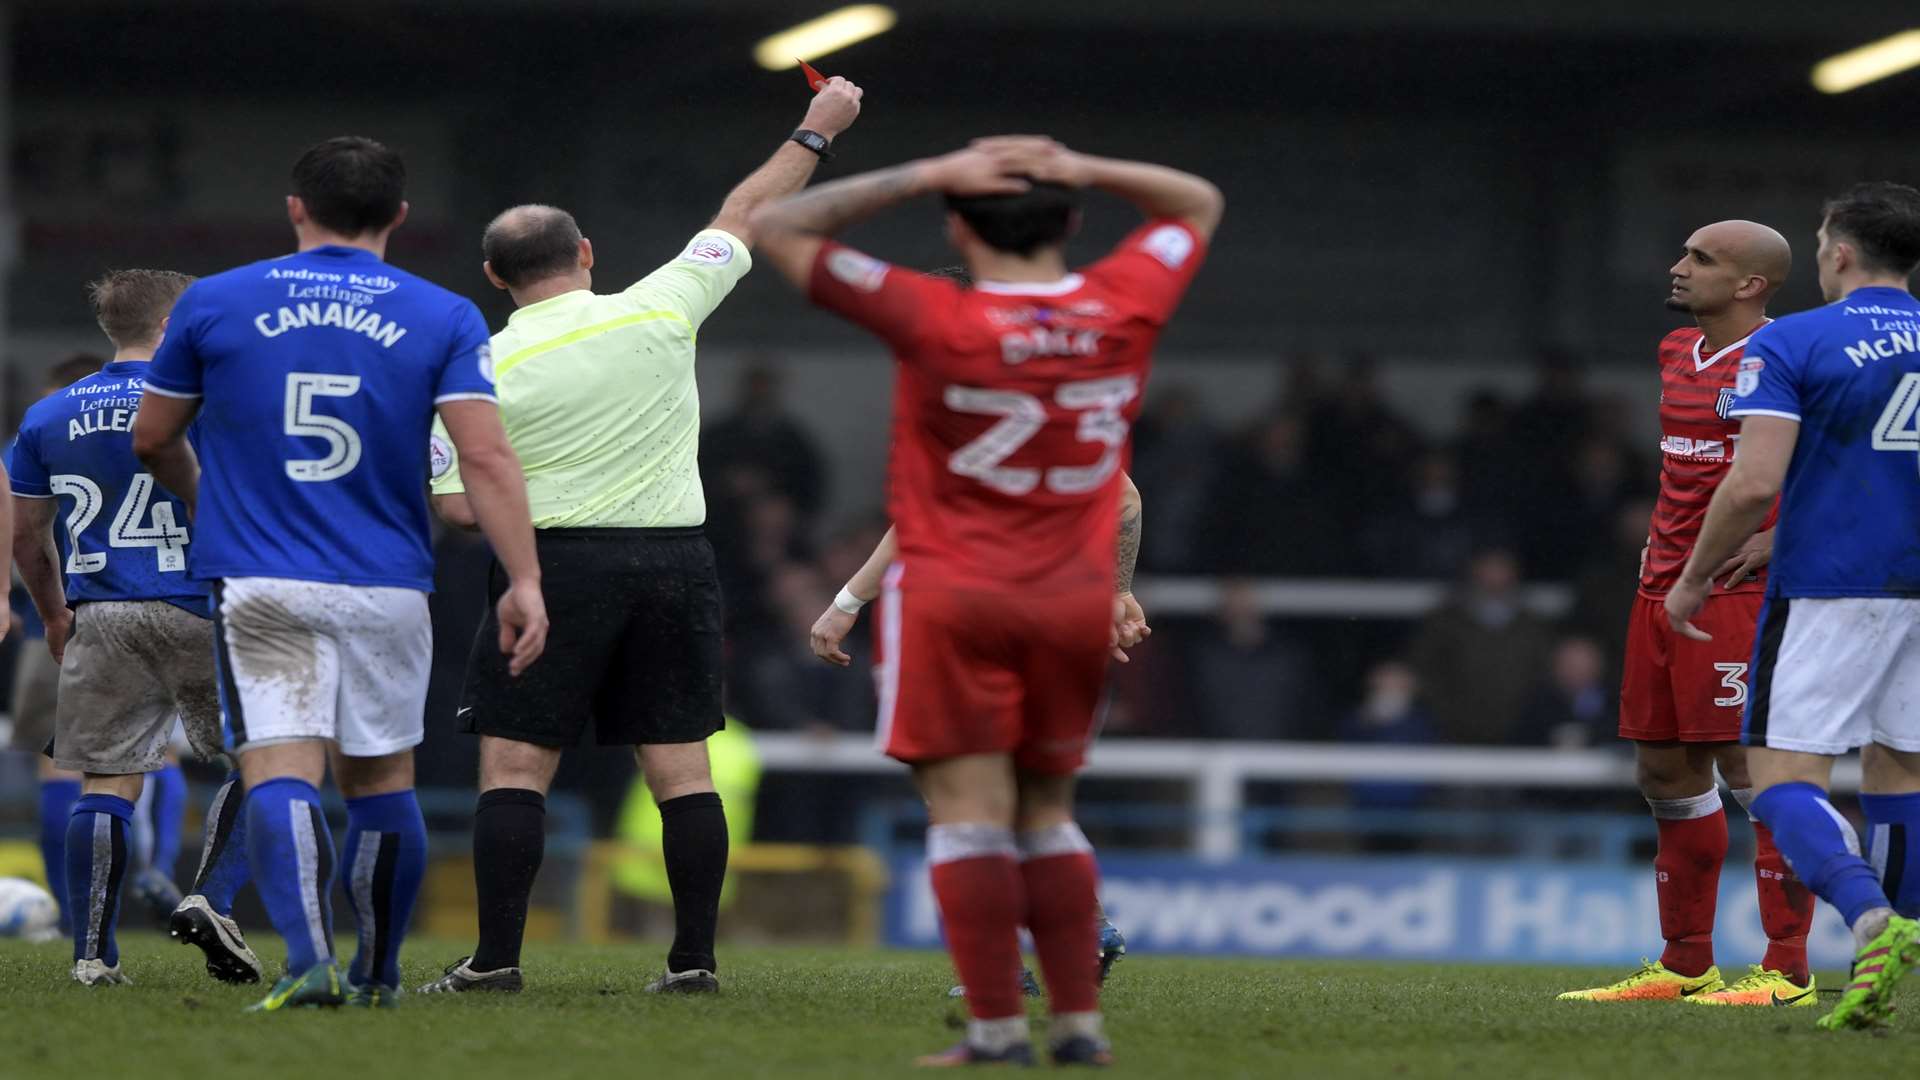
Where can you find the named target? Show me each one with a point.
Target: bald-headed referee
(598, 396)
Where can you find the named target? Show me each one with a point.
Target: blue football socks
(290, 854)
(381, 867)
(1893, 847)
(96, 867)
(1821, 847)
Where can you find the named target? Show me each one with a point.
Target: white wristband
(848, 602)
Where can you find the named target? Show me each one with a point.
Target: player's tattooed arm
(39, 565)
(791, 230)
(1129, 542)
(1129, 620)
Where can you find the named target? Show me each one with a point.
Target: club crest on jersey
(862, 272)
(1724, 405)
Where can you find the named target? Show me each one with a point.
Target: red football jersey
(1013, 405)
(1696, 452)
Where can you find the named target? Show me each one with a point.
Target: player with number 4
(315, 378)
(1013, 403)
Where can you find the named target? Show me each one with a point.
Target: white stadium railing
(1331, 598)
(1218, 772)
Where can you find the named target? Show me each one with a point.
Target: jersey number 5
(1098, 401)
(343, 443)
(1899, 426)
(167, 537)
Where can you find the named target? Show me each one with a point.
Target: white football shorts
(315, 660)
(1832, 675)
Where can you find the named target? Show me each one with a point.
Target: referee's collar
(551, 303)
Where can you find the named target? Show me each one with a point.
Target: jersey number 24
(167, 537)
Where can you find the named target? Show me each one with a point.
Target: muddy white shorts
(1832, 675)
(135, 671)
(314, 660)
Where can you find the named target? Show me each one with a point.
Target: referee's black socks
(509, 840)
(693, 839)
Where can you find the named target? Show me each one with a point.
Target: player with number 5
(1013, 403)
(315, 378)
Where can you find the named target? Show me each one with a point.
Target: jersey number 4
(1100, 403)
(343, 443)
(1899, 426)
(167, 537)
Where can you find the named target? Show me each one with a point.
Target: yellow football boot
(1762, 987)
(1653, 982)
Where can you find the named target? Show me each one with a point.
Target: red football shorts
(971, 671)
(1678, 689)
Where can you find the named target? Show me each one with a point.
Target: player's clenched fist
(834, 108)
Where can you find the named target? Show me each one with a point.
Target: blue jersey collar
(339, 251)
(124, 367)
(1880, 289)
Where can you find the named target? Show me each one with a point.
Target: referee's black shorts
(634, 646)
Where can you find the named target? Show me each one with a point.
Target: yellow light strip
(818, 37)
(1868, 63)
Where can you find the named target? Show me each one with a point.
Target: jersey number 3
(1098, 401)
(167, 537)
(343, 443)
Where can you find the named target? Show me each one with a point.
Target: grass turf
(792, 1012)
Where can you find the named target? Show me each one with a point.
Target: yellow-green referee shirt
(598, 396)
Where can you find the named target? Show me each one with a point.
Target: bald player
(1681, 700)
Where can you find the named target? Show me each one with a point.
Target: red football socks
(1786, 909)
(982, 901)
(1687, 868)
(1061, 905)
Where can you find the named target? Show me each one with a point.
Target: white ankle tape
(951, 843)
(1698, 806)
(1064, 839)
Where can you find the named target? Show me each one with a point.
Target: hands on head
(1007, 165)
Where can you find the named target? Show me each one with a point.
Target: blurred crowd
(1328, 482)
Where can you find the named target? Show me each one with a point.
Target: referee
(598, 396)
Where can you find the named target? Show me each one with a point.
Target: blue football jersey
(1850, 374)
(125, 537)
(318, 375)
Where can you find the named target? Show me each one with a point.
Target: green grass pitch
(788, 1012)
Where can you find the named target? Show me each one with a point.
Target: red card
(815, 80)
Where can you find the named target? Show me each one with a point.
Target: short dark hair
(130, 305)
(73, 368)
(350, 185)
(1041, 216)
(529, 243)
(959, 275)
(1882, 219)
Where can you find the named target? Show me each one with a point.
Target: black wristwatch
(815, 142)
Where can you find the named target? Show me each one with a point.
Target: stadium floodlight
(818, 37)
(1869, 63)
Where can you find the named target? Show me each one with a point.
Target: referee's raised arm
(834, 109)
(599, 401)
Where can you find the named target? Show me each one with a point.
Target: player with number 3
(1013, 403)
